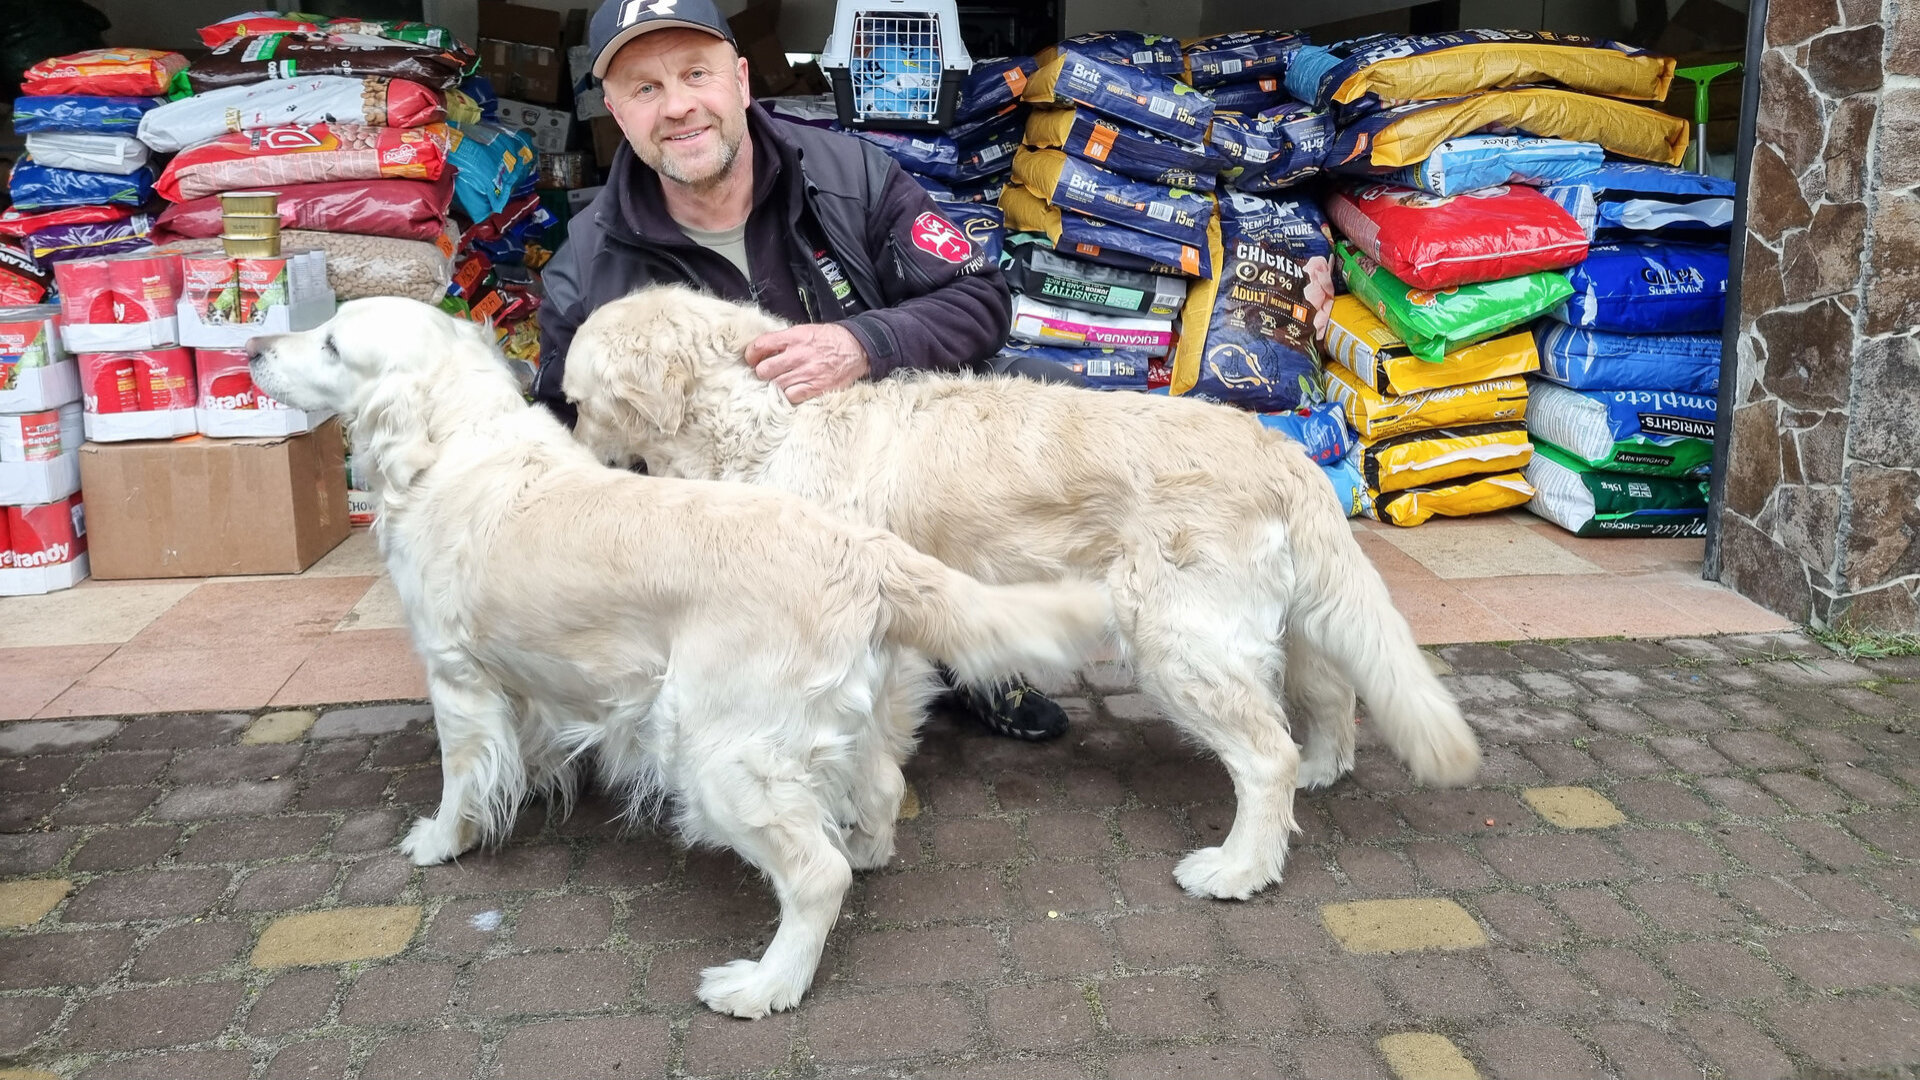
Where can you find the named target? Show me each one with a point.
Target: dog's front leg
(482, 776)
(768, 812)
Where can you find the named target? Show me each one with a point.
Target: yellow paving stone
(909, 805)
(1574, 807)
(1420, 1055)
(23, 903)
(26, 1074)
(1389, 926)
(278, 727)
(334, 937)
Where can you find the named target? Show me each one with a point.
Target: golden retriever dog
(1219, 539)
(731, 652)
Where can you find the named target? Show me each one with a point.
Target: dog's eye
(328, 345)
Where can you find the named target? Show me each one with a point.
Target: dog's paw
(429, 842)
(1317, 773)
(869, 851)
(1209, 874)
(742, 988)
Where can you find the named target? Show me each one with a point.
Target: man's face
(681, 97)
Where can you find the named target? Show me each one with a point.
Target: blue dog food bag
(1156, 103)
(1273, 149)
(1658, 433)
(80, 114)
(991, 86)
(1072, 184)
(1646, 288)
(1626, 200)
(41, 187)
(1241, 56)
(984, 225)
(1320, 428)
(1598, 360)
(1103, 369)
(1084, 134)
(1472, 162)
(1247, 336)
(1155, 54)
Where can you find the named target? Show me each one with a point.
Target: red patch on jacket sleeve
(939, 237)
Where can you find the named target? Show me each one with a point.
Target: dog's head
(636, 365)
(385, 365)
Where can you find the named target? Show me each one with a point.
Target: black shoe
(1015, 710)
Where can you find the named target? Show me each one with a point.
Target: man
(817, 227)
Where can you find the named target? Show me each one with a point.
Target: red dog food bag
(304, 154)
(49, 534)
(165, 380)
(109, 382)
(105, 73)
(1437, 242)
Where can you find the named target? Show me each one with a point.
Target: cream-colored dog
(728, 650)
(1218, 538)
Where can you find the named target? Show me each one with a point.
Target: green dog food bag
(1434, 323)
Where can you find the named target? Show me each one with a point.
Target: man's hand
(808, 360)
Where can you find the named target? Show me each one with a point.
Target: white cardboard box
(549, 127)
(37, 388)
(153, 424)
(256, 423)
(119, 337)
(30, 483)
(302, 314)
(34, 580)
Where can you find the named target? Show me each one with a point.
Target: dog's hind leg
(1212, 667)
(1320, 701)
(764, 807)
(483, 778)
(880, 785)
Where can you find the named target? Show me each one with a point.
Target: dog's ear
(392, 425)
(643, 382)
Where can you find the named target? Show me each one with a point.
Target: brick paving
(1691, 858)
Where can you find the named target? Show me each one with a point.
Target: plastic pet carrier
(896, 64)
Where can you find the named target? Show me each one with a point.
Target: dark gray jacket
(838, 233)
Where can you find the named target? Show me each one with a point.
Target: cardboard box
(549, 127)
(608, 140)
(201, 507)
(589, 100)
(523, 50)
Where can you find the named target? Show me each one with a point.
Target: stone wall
(1822, 508)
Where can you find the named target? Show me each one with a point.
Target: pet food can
(167, 382)
(250, 247)
(226, 383)
(108, 382)
(6, 544)
(49, 534)
(255, 203)
(150, 284)
(252, 226)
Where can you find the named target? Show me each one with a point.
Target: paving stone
(23, 903)
(1056, 947)
(248, 841)
(1722, 971)
(1446, 813)
(433, 1055)
(1597, 914)
(1848, 961)
(1684, 907)
(382, 878)
(1560, 761)
(336, 936)
(1361, 819)
(1149, 830)
(397, 992)
(1851, 1035)
(1670, 851)
(595, 1049)
(225, 800)
(1376, 872)
(1520, 919)
(1865, 785)
(1627, 983)
(1391, 926)
(126, 849)
(1259, 1002)
(1157, 1007)
(721, 1045)
(1338, 1057)
(368, 832)
(28, 961)
(1551, 859)
(102, 806)
(1533, 1050)
(1549, 685)
(221, 764)
(1616, 717)
(918, 957)
(956, 894)
(1156, 942)
(45, 773)
(1639, 1052)
(974, 840)
(293, 1001)
(1803, 793)
(1740, 797)
(563, 922)
(552, 983)
(24, 1019)
(1574, 807)
(147, 894)
(1447, 866)
(1690, 755)
(1661, 801)
(889, 1025)
(34, 853)
(1061, 835)
(1623, 758)
(1682, 713)
(1543, 983)
(173, 1064)
(157, 1017)
(27, 737)
(1422, 1055)
(1448, 988)
(1826, 843)
(191, 949)
(311, 1059)
(1218, 1061)
(506, 870)
(368, 720)
(1344, 994)
(1737, 1047)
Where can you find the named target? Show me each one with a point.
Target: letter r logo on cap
(633, 10)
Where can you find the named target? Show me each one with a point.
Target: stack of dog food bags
(970, 159)
(1624, 405)
(1109, 205)
(43, 533)
(347, 126)
(86, 182)
(1449, 249)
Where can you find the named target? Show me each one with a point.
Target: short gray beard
(669, 169)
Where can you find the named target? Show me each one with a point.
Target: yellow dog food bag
(1376, 416)
(1464, 497)
(1426, 458)
(1408, 134)
(1359, 340)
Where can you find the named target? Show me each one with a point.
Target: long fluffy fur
(1221, 541)
(730, 652)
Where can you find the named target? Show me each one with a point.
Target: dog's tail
(1342, 607)
(983, 632)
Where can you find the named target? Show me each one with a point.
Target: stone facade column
(1821, 519)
